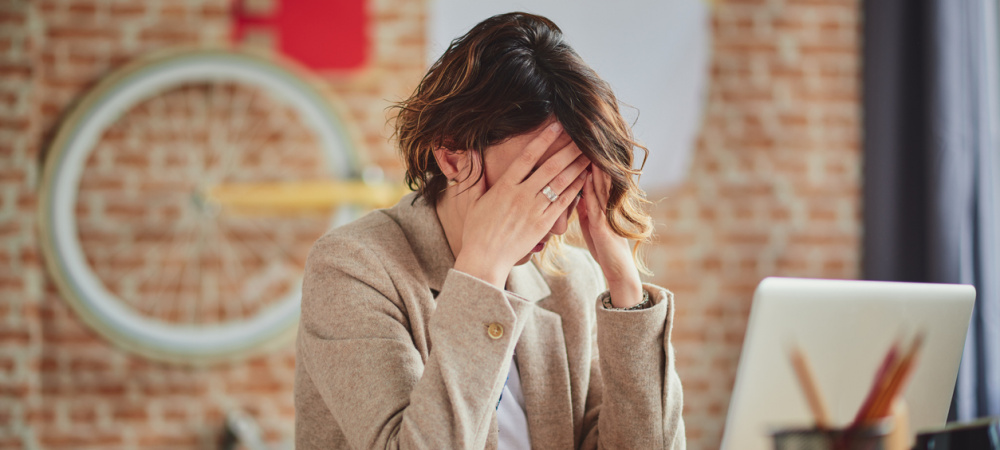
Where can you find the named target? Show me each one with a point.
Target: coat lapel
(424, 233)
(543, 364)
(541, 350)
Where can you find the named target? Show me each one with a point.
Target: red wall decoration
(321, 34)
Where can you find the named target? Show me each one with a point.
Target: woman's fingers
(602, 186)
(581, 208)
(585, 209)
(560, 184)
(555, 166)
(525, 162)
(569, 194)
(594, 208)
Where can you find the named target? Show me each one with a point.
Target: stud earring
(452, 182)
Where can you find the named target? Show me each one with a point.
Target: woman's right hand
(504, 222)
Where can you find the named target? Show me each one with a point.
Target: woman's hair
(503, 78)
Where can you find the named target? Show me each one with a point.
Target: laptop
(844, 328)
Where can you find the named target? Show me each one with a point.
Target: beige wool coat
(398, 350)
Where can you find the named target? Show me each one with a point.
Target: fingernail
(555, 127)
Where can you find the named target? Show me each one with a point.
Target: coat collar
(541, 349)
(420, 225)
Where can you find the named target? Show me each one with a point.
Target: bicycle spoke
(232, 148)
(218, 133)
(263, 125)
(277, 249)
(227, 252)
(124, 244)
(149, 255)
(192, 255)
(223, 148)
(261, 257)
(202, 291)
(175, 278)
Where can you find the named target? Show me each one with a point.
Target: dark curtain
(931, 165)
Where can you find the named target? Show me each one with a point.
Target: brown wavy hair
(505, 77)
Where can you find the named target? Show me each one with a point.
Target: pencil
(899, 378)
(879, 384)
(808, 382)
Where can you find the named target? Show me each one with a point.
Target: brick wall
(21, 274)
(773, 190)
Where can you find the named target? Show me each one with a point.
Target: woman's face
(500, 156)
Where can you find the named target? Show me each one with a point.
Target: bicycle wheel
(133, 241)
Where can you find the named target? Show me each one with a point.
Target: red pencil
(884, 405)
(880, 383)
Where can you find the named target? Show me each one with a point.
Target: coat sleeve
(355, 344)
(635, 397)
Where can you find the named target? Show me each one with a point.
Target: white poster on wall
(655, 54)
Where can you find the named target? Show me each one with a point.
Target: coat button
(495, 330)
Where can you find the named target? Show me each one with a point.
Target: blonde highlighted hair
(503, 78)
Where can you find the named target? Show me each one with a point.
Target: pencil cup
(870, 438)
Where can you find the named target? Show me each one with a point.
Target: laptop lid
(845, 329)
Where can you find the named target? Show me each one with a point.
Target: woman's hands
(612, 252)
(504, 222)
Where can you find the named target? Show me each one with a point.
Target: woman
(457, 319)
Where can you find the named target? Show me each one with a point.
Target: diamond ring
(552, 196)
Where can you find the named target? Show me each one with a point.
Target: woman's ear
(454, 164)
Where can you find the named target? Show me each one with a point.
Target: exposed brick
(163, 440)
(14, 336)
(169, 35)
(80, 31)
(88, 363)
(41, 414)
(83, 413)
(126, 412)
(126, 11)
(175, 413)
(86, 9)
(78, 439)
(14, 389)
(173, 11)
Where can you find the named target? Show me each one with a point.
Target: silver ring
(552, 196)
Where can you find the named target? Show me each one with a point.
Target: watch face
(155, 238)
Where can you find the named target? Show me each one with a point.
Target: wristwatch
(645, 303)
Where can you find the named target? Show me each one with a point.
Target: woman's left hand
(611, 251)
